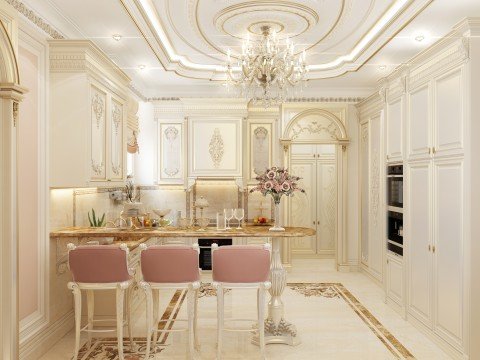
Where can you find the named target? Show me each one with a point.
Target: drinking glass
(239, 214)
(228, 216)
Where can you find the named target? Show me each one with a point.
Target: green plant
(94, 221)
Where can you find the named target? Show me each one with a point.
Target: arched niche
(8, 61)
(321, 126)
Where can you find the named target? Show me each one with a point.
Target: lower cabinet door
(448, 251)
(395, 279)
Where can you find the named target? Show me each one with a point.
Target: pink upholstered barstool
(244, 267)
(100, 267)
(170, 267)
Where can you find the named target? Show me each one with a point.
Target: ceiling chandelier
(267, 71)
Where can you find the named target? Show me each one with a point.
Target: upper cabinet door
(419, 123)
(116, 140)
(171, 152)
(98, 118)
(260, 149)
(449, 114)
(394, 125)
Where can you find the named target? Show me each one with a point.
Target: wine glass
(228, 217)
(239, 214)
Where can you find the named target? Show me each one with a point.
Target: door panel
(449, 113)
(364, 192)
(418, 123)
(116, 140)
(303, 206)
(98, 109)
(395, 129)
(418, 228)
(448, 257)
(326, 207)
(395, 280)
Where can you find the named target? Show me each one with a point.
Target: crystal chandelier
(267, 71)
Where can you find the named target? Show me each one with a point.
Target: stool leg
(261, 320)
(191, 316)
(195, 320)
(90, 311)
(220, 314)
(77, 298)
(129, 317)
(149, 302)
(120, 295)
(156, 316)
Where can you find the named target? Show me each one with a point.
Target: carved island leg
(277, 329)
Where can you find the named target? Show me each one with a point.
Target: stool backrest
(98, 263)
(241, 263)
(170, 264)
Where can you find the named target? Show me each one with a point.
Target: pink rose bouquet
(277, 182)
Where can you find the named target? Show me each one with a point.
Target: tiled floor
(329, 327)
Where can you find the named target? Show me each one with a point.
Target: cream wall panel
(449, 119)
(419, 122)
(98, 116)
(448, 255)
(215, 147)
(171, 152)
(418, 230)
(394, 282)
(260, 147)
(364, 192)
(117, 143)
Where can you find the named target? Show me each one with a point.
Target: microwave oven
(395, 185)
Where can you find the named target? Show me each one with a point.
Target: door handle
(433, 248)
(429, 247)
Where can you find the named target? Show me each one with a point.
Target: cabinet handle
(314, 155)
(429, 247)
(387, 157)
(314, 222)
(433, 150)
(433, 248)
(429, 150)
(388, 261)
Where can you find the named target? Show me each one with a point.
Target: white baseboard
(348, 267)
(46, 337)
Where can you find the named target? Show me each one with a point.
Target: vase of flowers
(277, 182)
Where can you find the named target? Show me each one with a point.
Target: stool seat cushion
(170, 264)
(98, 264)
(241, 264)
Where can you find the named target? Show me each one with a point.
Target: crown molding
(36, 19)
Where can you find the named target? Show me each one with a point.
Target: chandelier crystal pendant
(267, 71)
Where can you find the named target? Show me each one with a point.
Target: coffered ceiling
(178, 47)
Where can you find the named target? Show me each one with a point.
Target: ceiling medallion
(268, 70)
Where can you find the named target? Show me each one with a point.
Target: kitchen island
(277, 329)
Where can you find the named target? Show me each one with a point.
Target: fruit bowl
(261, 221)
(161, 212)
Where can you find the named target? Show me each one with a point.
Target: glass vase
(277, 223)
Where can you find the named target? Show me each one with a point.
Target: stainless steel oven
(395, 186)
(205, 260)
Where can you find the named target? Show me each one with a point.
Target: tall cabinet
(435, 219)
(315, 164)
(88, 107)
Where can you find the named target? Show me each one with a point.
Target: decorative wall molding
(35, 19)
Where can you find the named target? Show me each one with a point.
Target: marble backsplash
(69, 207)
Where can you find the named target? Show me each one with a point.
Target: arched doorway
(10, 96)
(319, 129)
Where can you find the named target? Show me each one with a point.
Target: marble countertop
(136, 234)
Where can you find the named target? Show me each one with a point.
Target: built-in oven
(395, 186)
(205, 245)
(395, 232)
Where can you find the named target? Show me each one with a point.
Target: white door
(303, 205)
(394, 128)
(448, 252)
(326, 207)
(395, 279)
(419, 240)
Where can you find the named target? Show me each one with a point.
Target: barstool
(241, 267)
(100, 267)
(170, 267)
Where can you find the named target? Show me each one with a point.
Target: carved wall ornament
(465, 47)
(172, 153)
(383, 94)
(116, 117)
(260, 150)
(97, 168)
(15, 111)
(315, 127)
(365, 134)
(375, 188)
(98, 108)
(216, 148)
(403, 83)
(116, 168)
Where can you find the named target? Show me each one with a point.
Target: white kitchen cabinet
(419, 122)
(88, 96)
(394, 281)
(260, 146)
(394, 128)
(171, 152)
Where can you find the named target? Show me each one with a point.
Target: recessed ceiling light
(382, 67)
(117, 37)
(141, 67)
(420, 38)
